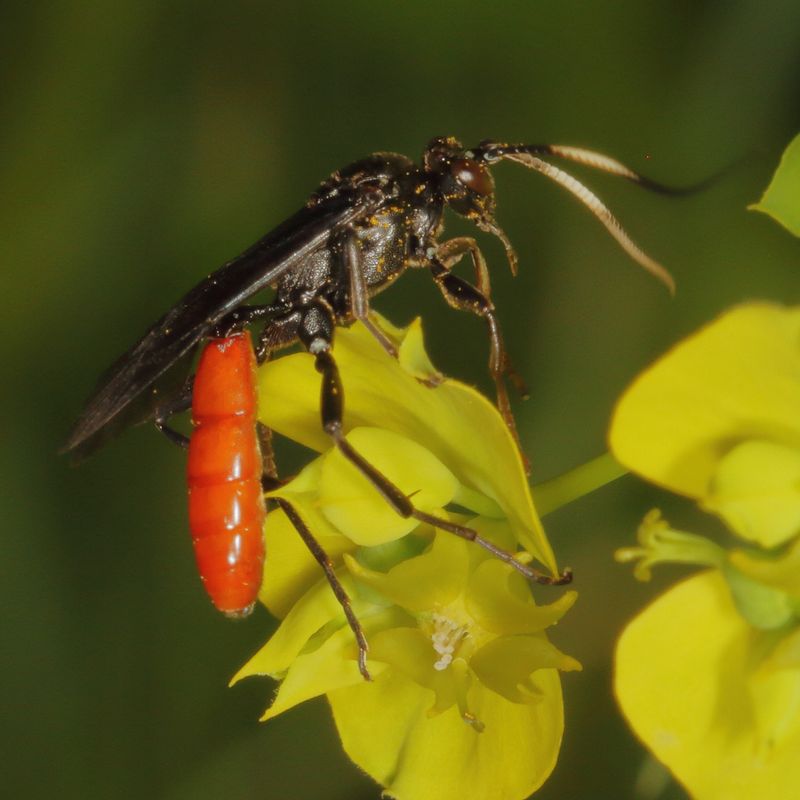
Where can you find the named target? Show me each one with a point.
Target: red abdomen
(226, 502)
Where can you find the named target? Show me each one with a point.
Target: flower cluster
(709, 674)
(465, 698)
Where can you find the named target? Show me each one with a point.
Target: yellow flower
(709, 674)
(465, 698)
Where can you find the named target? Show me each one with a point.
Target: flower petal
(508, 665)
(308, 615)
(412, 354)
(422, 583)
(504, 612)
(387, 730)
(756, 490)
(354, 505)
(332, 666)
(736, 379)
(776, 697)
(408, 651)
(683, 680)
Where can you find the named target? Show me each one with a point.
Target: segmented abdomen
(226, 502)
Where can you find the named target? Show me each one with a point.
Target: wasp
(356, 234)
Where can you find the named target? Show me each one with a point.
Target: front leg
(449, 253)
(316, 334)
(464, 296)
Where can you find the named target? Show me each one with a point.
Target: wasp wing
(196, 313)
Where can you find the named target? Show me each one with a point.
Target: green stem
(577, 482)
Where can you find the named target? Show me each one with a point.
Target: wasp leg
(182, 401)
(316, 333)
(449, 253)
(279, 332)
(330, 574)
(269, 468)
(359, 294)
(270, 481)
(464, 296)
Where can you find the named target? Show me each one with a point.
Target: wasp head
(463, 182)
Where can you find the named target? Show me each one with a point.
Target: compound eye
(473, 175)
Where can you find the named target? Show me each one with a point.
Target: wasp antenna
(604, 163)
(590, 158)
(600, 210)
(492, 151)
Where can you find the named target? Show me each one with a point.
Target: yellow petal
(409, 652)
(424, 582)
(507, 665)
(387, 731)
(776, 697)
(736, 379)
(454, 422)
(354, 505)
(786, 653)
(683, 679)
(330, 667)
(314, 610)
(756, 490)
(495, 607)
(412, 354)
(775, 686)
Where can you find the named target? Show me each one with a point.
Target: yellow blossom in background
(465, 698)
(708, 675)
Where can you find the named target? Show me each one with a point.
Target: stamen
(446, 636)
(490, 226)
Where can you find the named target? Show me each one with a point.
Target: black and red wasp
(364, 225)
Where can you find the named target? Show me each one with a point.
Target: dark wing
(196, 313)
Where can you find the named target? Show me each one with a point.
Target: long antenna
(592, 201)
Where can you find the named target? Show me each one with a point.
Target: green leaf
(781, 200)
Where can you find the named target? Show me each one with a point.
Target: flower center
(446, 637)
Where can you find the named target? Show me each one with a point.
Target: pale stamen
(446, 636)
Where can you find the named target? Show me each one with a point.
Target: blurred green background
(144, 143)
